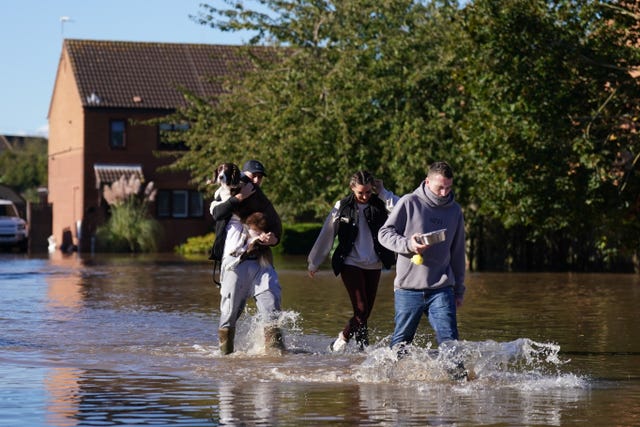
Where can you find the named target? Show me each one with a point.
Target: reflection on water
(131, 340)
(63, 390)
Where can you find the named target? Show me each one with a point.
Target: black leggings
(362, 287)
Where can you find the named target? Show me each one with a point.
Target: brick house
(102, 90)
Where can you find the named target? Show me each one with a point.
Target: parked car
(14, 231)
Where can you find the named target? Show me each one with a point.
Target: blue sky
(32, 31)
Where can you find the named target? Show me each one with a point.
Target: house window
(179, 204)
(170, 136)
(117, 135)
(163, 204)
(195, 204)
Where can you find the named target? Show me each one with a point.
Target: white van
(14, 231)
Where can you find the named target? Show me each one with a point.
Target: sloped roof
(148, 75)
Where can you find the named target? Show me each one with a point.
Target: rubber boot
(225, 338)
(273, 340)
(458, 372)
(362, 338)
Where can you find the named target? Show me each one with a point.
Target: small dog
(228, 177)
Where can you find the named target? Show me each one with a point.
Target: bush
(107, 241)
(129, 227)
(298, 239)
(199, 245)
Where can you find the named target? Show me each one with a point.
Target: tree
(24, 167)
(544, 90)
(531, 101)
(359, 85)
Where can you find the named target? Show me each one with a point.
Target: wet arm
(324, 242)
(223, 210)
(387, 196)
(276, 224)
(392, 233)
(389, 199)
(458, 260)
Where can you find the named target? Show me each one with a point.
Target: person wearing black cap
(263, 278)
(255, 171)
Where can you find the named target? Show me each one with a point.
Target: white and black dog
(228, 177)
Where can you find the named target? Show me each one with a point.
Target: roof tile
(149, 75)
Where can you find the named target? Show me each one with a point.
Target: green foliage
(298, 239)
(24, 168)
(107, 240)
(545, 94)
(352, 91)
(198, 245)
(129, 221)
(532, 103)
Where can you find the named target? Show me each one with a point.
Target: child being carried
(243, 241)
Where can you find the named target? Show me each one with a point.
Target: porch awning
(106, 173)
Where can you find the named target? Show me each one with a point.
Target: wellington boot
(458, 372)
(273, 340)
(225, 338)
(362, 338)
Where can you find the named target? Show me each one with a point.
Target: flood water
(131, 340)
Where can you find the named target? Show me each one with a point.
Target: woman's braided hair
(362, 177)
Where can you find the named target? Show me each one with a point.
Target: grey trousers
(249, 279)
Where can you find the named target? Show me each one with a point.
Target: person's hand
(268, 239)
(251, 244)
(312, 273)
(415, 245)
(459, 300)
(377, 183)
(246, 191)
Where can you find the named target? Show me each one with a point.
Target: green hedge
(297, 239)
(198, 245)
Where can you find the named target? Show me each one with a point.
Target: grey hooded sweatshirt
(444, 263)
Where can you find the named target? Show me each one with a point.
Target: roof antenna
(64, 19)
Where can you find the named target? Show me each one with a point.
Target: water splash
(249, 337)
(521, 363)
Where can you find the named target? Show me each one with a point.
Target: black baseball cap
(254, 166)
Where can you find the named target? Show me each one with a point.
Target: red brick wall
(79, 138)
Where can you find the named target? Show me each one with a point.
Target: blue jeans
(438, 305)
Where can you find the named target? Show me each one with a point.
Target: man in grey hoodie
(429, 277)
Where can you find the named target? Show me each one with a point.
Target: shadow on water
(113, 340)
